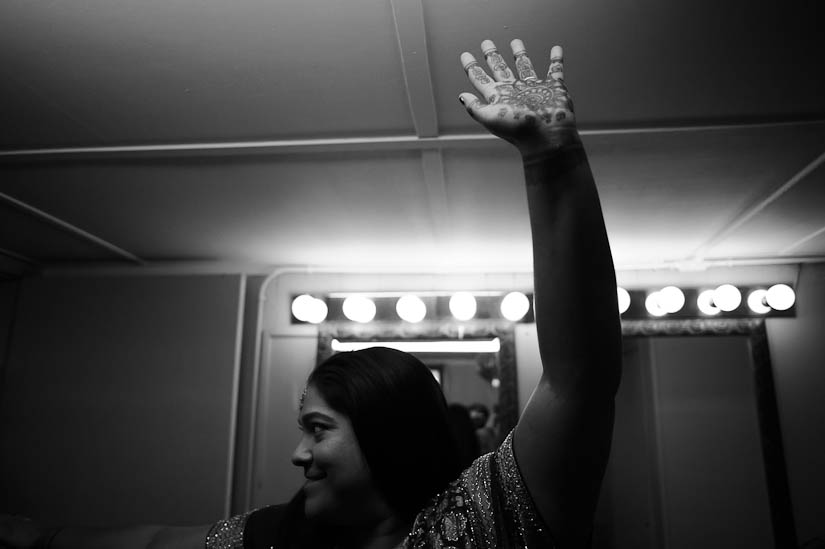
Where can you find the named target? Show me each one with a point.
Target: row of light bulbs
(724, 298)
(409, 307)
(515, 305)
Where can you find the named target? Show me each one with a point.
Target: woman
(388, 479)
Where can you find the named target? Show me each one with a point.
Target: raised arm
(562, 440)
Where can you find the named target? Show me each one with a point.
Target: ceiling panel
(488, 206)
(665, 195)
(812, 246)
(645, 62)
(784, 225)
(282, 209)
(34, 241)
(155, 72)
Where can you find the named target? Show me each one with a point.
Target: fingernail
(467, 59)
(461, 99)
(487, 46)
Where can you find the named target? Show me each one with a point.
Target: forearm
(136, 537)
(577, 317)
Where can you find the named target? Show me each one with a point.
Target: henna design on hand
(525, 68)
(499, 66)
(478, 73)
(528, 112)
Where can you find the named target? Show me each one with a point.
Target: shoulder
(454, 517)
(487, 506)
(249, 530)
(227, 533)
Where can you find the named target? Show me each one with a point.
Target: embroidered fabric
(487, 507)
(227, 534)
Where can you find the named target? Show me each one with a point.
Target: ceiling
(262, 133)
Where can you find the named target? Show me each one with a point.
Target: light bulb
(301, 307)
(624, 299)
(411, 308)
(514, 306)
(309, 309)
(727, 297)
(317, 312)
(781, 297)
(463, 305)
(756, 302)
(671, 299)
(705, 303)
(653, 306)
(359, 308)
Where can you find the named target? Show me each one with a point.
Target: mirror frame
(773, 453)
(508, 411)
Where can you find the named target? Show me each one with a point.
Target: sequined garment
(488, 506)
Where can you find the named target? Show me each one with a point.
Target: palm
(524, 103)
(523, 110)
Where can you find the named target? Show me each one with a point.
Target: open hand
(534, 115)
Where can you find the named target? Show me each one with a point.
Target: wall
(798, 355)
(118, 399)
(712, 475)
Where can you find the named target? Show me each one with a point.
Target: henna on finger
(497, 64)
(524, 66)
(556, 70)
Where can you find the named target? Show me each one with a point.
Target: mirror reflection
(480, 387)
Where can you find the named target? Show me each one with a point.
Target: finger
(471, 103)
(496, 62)
(479, 78)
(524, 67)
(556, 70)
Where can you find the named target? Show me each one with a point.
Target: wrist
(550, 144)
(549, 165)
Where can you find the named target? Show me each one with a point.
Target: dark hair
(400, 419)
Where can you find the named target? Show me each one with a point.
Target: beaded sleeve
(487, 507)
(227, 534)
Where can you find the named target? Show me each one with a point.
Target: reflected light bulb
(781, 297)
(463, 305)
(624, 299)
(756, 302)
(671, 299)
(359, 309)
(514, 306)
(411, 308)
(727, 297)
(653, 306)
(705, 303)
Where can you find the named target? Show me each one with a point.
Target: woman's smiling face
(339, 487)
